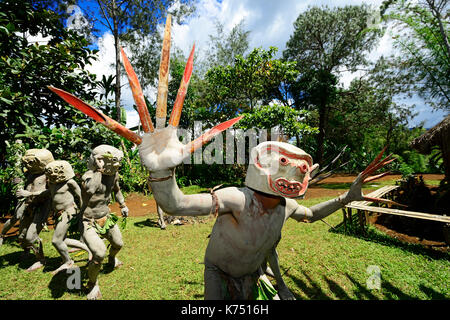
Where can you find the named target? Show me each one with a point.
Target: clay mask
(110, 156)
(59, 171)
(280, 169)
(35, 160)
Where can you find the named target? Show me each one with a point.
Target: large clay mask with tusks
(110, 156)
(35, 160)
(279, 169)
(59, 171)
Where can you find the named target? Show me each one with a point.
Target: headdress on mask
(59, 171)
(110, 156)
(279, 169)
(35, 160)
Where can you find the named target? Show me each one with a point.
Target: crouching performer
(32, 212)
(249, 219)
(63, 192)
(98, 183)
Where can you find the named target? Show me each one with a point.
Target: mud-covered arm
(173, 202)
(119, 197)
(37, 195)
(75, 190)
(283, 290)
(318, 211)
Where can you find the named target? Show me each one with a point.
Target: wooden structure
(363, 208)
(438, 136)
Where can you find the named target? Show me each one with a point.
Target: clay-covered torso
(96, 206)
(35, 183)
(62, 198)
(240, 242)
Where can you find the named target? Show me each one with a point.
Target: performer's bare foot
(65, 266)
(74, 250)
(94, 293)
(116, 263)
(37, 265)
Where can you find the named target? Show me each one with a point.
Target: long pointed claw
(376, 177)
(97, 115)
(178, 105)
(138, 96)
(375, 161)
(204, 138)
(163, 83)
(384, 201)
(380, 164)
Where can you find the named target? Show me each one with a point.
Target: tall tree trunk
(321, 136)
(117, 48)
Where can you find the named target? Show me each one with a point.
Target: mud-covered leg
(32, 238)
(78, 245)
(58, 240)
(161, 222)
(215, 287)
(18, 214)
(25, 223)
(98, 249)
(115, 238)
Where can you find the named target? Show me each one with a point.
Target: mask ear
(314, 170)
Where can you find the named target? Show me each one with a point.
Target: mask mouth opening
(291, 189)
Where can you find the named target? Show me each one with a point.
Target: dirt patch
(429, 234)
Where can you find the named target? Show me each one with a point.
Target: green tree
(26, 69)
(421, 32)
(253, 80)
(325, 43)
(224, 48)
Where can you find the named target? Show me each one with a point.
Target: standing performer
(249, 219)
(32, 212)
(98, 183)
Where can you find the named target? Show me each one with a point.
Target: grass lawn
(317, 262)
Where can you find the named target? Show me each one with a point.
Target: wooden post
(361, 221)
(344, 221)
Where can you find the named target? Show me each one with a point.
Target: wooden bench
(364, 206)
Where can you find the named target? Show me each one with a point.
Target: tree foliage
(421, 32)
(253, 80)
(27, 68)
(225, 48)
(325, 43)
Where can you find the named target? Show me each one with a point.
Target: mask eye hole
(284, 161)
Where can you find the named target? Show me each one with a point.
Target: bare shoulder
(87, 175)
(232, 197)
(291, 206)
(72, 183)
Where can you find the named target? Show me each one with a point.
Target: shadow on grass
(147, 223)
(374, 235)
(342, 185)
(63, 281)
(313, 290)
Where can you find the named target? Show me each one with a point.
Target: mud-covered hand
(124, 211)
(22, 193)
(355, 191)
(161, 149)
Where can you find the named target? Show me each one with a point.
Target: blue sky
(270, 24)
